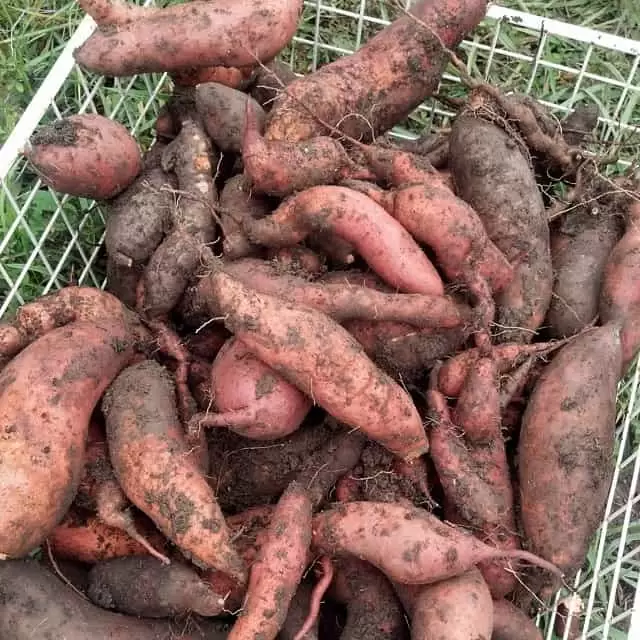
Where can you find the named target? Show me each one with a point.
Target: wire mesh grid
(48, 240)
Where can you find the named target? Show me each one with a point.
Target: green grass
(33, 32)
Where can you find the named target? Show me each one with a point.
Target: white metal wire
(48, 240)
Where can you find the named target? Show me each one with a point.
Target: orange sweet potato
(510, 623)
(35, 604)
(190, 35)
(372, 90)
(566, 445)
(278, 568)
(223, 112)
(157, 471)
(459, 608)
(250, 397)
(322, 359)
(144, 587)
(85, 155)
(47, 395)
(493, 175)
(344, 301)
(381, 241)
(408, 544)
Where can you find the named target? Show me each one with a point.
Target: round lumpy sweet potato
(47, 395)
(85, 155)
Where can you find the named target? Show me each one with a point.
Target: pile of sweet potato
(338, 385)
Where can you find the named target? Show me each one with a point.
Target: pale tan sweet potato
(36, 605)
(85, 155)
(145, 587)
(157, 471)
(47, 395)
(197, 34)
(223, 112)
(372, 90)
(381, 241)
(566, 444)
(323, 360)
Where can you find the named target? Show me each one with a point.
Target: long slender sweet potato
(492, 174)
(511, 623)
(138, 218)
(409, 545)
(47, 395)
(580, 248)
(566, 447)
(381, 241)
(459, 608)
(343, 301)
(370, 91)
(154, 467)
(373, 610)
(223, 112)
(250, 397)
(197, 34)
(144, 587)
(176, 260)
(88, 539)
(85, 155)
(323, 360)
(278, 569)
(70, 304)
(35, 605)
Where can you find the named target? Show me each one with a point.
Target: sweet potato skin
(403, 64)
(494, 177)
(381, 241)
(181, 36)
(152, 462)
(145, 587)
(85, 155)
(510, 623)
(333, 370)
(566, 444)
(459, 608)
(580, 249)
(36, 605)
(47, 395)
(223, 110)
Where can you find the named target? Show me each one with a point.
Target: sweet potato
(373, 610)
(372, 90)
(197, 34)
(298, 261)
(580, 248)
(223, 112)
(566, 446)
(70, 304)
(85, 155)
(176, 260)
(459, 608)
(144, 587)
(409, 545)
(343, 301)
(47, 395)
(492, 174)
(250, 397)
(296, 616)
(280, 168)
(511, 623)
(278, 569)
(86, 538)
(381, 241)
(138, 218)
(154, 467)
(123, 281)
(35, 605)
(619, 299)
(269, 81)
(322, 359)
(231, 77)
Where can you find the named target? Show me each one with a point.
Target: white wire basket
(48, 240)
